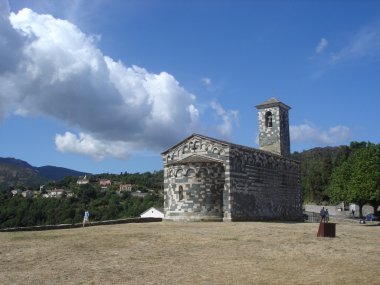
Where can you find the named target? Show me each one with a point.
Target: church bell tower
(274, 127)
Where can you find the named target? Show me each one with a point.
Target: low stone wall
(333, 210)
(79, 225)
(337, 210)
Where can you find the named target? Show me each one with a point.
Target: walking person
(86, 218)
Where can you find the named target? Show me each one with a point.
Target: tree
(316, 169)
(358, 179)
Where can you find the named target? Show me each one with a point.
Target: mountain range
(15, 172)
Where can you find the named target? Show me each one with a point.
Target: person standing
(327, 216)
(323, 215)
(86, 218)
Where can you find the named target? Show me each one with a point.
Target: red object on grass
(326, 230)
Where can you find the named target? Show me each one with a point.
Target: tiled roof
(271, 103)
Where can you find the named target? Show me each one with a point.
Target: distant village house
(16, 192)
(57, 193)
(104, 182)
(27, 194)
(125, 187)
(83, 180)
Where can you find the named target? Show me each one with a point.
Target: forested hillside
(14, 173)
(103, 204)
(18, 173)
(341, 174)
(317, 165)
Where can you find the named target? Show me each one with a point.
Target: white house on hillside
(27, 194)
(16, 192)
(126, 187)
(83, 180)
(152, 213)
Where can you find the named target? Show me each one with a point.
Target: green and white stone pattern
(274, 139)
(210, 179)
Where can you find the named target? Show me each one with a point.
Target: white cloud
(364, 43)
(49, 67)
(308, 133)
(87, 145)
(206, 81)
(194, 113)
(228, 118)
(321, 45)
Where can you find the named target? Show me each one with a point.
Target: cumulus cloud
(228, 119)
(321, 45)
(87, 145)
(50, 67)
(308, 133)
(11, 41)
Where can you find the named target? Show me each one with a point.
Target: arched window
(190, 173)
(180, 190)
(268, 119)
(179, 173)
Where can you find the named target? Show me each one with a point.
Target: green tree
(357, 180)
(18, 211)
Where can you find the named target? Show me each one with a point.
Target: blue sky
(106, 86)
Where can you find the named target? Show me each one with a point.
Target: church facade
(211, 179)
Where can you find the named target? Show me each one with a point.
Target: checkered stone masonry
(274, 137)
(195, 181)
(210, 179)
(264, 186)
(201, 185)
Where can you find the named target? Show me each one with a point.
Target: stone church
(210, 179)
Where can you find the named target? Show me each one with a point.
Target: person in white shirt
(86, 218)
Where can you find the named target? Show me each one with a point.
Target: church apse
(195, 191)
(195, 180)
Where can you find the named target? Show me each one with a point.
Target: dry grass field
(192, 253)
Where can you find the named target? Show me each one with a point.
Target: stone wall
(194, 180)
(195, 191)
(207, 179)
(338, 210)
(80, 225)
(196, 145)
(275, 138)
(264, 186)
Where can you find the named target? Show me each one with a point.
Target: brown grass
(192, 253)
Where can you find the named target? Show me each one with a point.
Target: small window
(268, 119)
(180, 190)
